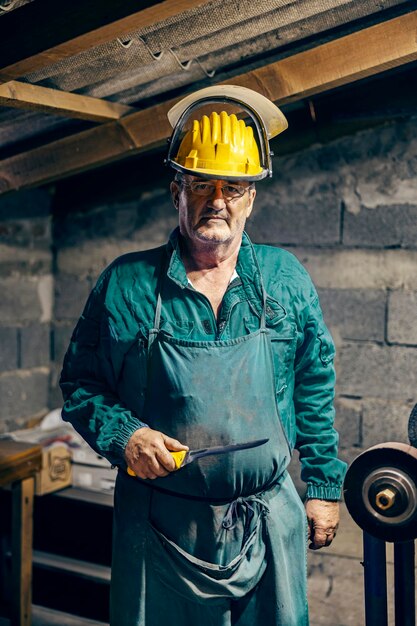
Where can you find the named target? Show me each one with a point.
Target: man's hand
(323, 520)
(147, 453)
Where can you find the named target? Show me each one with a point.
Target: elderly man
(210, 341)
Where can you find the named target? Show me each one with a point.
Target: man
(210, 341)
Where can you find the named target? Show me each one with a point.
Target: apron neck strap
(157, 318)
(263, 314)
(161, 275)
(261, 283)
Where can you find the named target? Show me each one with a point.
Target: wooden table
(19, 463)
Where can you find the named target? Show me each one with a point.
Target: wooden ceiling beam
(41, 33)
(34, 98)
(350, 58)
(313, 71)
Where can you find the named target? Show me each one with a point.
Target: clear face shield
(223, 132)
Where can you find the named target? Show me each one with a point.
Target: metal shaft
(375, 581)
(404, 580)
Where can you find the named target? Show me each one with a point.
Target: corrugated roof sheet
(194, 46)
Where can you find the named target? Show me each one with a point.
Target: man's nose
(217, 198)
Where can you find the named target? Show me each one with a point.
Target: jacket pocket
(178, 328)
(283, 343)
(133, 374)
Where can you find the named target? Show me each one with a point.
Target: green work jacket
(105, 369)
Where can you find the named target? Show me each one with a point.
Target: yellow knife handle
(177, 456)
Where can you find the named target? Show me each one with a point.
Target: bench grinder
(380, 492)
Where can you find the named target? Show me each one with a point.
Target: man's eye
(233, 190)
(202, 186)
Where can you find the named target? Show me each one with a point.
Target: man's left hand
(323, 520)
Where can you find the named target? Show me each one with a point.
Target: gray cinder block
(385, 421)
(366, 369)
(25, 298)
(304, 210)
(382, 226)
(9, 357)
(355, 313)
(348, 422)
(24, 393)
(35, 345)
(402, 317)
(61, 337)
(71, 294)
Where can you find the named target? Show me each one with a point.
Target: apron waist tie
(253, 497)
(248, 507)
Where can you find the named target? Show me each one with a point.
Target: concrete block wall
(357, 237)
(26, 307)
(87, 241)
(347, 210)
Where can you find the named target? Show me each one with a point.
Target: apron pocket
(201, 581)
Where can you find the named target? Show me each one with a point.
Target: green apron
(223, 540)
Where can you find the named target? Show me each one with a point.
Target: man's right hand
(147, 453)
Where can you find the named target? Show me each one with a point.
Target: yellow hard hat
(221, 145)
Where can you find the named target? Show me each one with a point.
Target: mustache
(213, 213)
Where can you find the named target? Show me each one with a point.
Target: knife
(184, 457)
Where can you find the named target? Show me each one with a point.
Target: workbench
(19, 463)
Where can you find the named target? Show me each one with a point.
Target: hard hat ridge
(221, 145)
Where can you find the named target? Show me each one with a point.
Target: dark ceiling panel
(181, 49)
(49, 25)
(46, 32)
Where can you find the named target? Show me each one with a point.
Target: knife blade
(184, 457)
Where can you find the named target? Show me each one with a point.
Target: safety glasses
(201, 188)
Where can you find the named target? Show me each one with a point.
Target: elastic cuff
(123, 435)
(323, 492)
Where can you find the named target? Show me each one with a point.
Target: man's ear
(175, 191)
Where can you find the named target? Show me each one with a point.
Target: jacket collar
(247, 267)
(176, 270)
(254, 282)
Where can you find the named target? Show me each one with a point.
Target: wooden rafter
(345, 60)
(34, 98)
(41, 32)
(336, 63)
